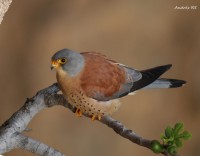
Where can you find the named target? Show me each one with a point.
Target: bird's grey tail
(149, 76)
(150, 79)
(165, 83)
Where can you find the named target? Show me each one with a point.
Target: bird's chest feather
(67, 84)
(73, 92)
(71, 89)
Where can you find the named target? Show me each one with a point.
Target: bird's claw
(78, 112)
(98, 117)
(93, 117)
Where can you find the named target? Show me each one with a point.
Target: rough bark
(4, 5)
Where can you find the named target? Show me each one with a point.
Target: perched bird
(93, 83)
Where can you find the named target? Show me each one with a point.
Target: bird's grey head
(70, 61)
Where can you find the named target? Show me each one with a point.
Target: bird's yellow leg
(99, 116)
(93, 117)
(78, 112)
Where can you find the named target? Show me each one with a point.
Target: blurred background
(138, 33)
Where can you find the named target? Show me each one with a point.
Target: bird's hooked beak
(54, 64)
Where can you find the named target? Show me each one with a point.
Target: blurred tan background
(137, 33)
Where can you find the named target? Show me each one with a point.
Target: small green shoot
(172, 140)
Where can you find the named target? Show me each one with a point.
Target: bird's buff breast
(91, 106)
(76, 97)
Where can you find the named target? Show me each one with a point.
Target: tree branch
(11, 136)
(4, 5)
(19, 140)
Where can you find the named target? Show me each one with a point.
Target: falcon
(93, 83)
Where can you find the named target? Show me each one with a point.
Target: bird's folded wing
(104, 79)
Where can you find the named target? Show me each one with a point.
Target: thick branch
(19, 140)
(11, 131)
(37, 147)
(4, 5)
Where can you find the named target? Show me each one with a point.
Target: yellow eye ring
(62, 60)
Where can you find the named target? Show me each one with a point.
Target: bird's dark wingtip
(166, 67)
(149, 76)
(176, 83)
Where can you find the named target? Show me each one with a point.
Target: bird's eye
(62, 60)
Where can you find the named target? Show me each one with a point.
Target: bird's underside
(99, 84)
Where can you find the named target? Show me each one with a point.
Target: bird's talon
(78, 112)
(99, 117)
(93, 117)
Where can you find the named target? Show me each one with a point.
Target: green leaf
(172, 140)
(178, 128)
(178, 143)
(168, 132)
(172, 150)
(162, 136)
(185, 135)
(169, 143)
